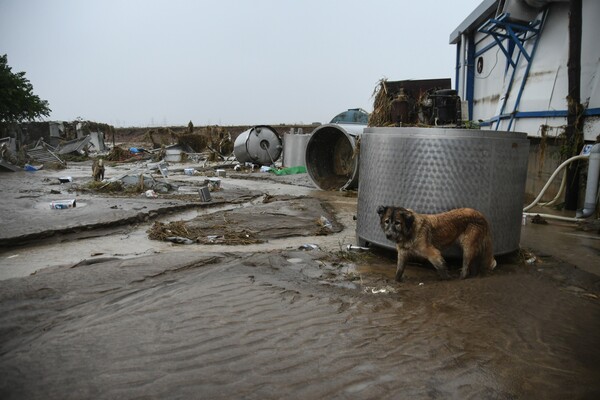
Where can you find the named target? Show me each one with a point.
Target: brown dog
(426, 236)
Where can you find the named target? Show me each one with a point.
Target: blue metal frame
(526, 75)
(470, 74)
(457, 71)
(501, 29)
(590, 112)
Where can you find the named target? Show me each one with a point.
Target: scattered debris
(5, 165)
(32, 168)
(65, 179)
(325, 227)
(414, 102)
(63, 204)
(214, 184)
(44, 153)
(531, 260)
(205, 194)
(179, 240)
(379, 290)
(224, 234)
(308, 247)
(151, 194)
(591, 225)
(118, 154)
(77, 146)
(538, 219)
(352, 247)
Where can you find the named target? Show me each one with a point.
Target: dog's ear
(408, 218)
(381, 210)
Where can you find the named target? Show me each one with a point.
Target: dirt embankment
(141, 134)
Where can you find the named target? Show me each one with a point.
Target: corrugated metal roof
(73, 146)
(42, 154)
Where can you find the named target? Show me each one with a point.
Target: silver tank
(331, 156)
(432, 170)
(258, 145)
(294, 149)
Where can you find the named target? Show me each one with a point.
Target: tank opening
(330, 159)
(264, 144)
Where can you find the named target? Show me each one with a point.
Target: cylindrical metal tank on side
(294, 149)
(331, 156)
(258, 145)
(432, 170)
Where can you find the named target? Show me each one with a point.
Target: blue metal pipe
(471, 73)
(457, 72)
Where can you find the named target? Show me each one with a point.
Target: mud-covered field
(100, 310)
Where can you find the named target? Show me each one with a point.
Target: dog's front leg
(402, 256)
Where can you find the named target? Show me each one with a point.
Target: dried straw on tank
(382, 105)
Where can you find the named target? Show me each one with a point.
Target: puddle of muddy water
(269, 326)
(246, 322)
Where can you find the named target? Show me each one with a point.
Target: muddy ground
(91, 307)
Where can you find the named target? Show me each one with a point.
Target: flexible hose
(563, 185)
(547, 185)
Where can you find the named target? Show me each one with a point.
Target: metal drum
(331, 156)
(432, 170)
(294, 149)
(258, 145)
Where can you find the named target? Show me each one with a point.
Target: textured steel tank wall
(294, 149)
(432, 170)
(259, 145)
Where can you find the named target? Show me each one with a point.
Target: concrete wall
(544, 157)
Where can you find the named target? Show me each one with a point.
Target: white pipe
(550, 216)
(560, 167)
(563, 185)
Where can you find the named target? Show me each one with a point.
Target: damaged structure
(46, 142)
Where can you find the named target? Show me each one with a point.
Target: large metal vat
(432, 170)
(294, 149)
(331, 156)
(258, 145)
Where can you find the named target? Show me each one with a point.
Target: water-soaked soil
(116, 315)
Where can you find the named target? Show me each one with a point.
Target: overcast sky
(225, 62)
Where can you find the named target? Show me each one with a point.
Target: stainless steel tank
(294, 149)
(432, 170)
(331, 156)
(258, 145)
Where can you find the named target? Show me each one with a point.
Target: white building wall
(547, 83)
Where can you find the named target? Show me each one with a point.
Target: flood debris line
(118, 154)
(273, 219)
(179, 232)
